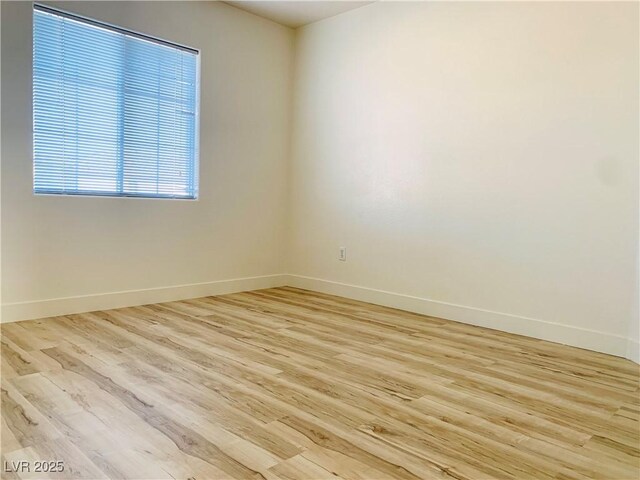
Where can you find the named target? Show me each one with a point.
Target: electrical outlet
(342, 256)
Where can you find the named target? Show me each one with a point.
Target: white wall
(478, 159)
(58, 247)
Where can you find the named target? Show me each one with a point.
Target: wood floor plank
(286, 383)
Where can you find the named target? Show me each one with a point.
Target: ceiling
(296, 14)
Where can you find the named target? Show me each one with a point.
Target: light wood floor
(289, 384)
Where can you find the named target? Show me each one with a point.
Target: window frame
(135, 34)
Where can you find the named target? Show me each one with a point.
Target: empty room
(309, 240)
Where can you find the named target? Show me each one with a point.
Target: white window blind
(114, 112)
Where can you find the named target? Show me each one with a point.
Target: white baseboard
(633, 351)
(13, 312)
(530, 327)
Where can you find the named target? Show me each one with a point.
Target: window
(114, 112)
